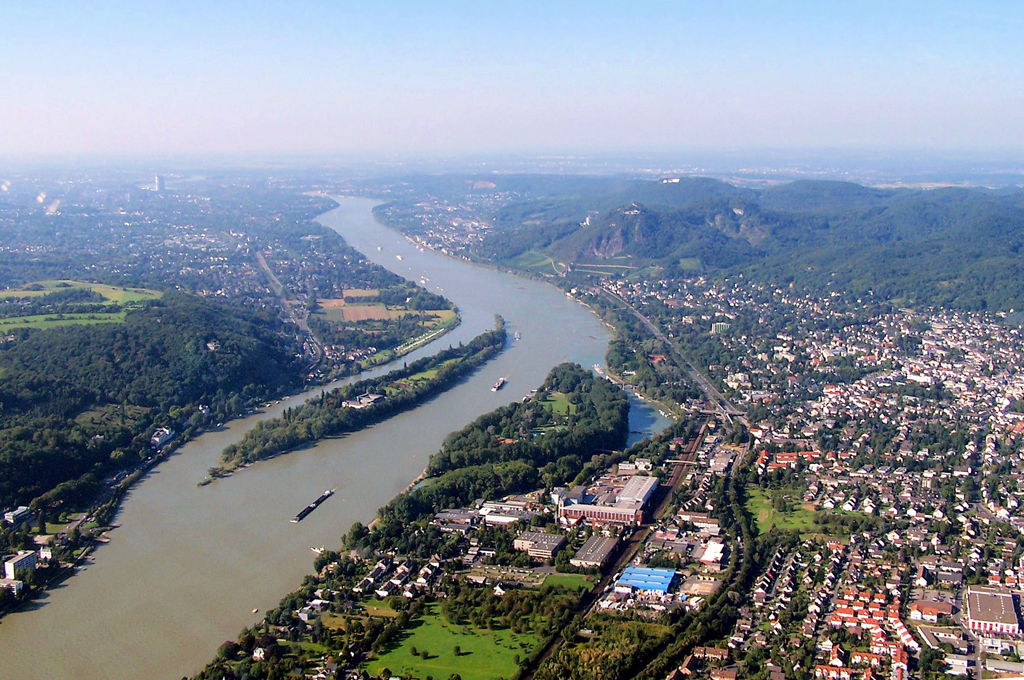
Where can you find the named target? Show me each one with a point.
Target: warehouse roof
(647, 579)
(596, 550)
(992, 606)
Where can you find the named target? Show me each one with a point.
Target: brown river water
(188, 564)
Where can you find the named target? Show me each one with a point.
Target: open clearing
(360, 293)
(760, 506)
(55, 320)
(112, 293)
(381, 608)
(441, 315)
(558, 403)
(112, 296)
(331, 303)
(483, 654)
(537, 261)
(365, 312)
(571, 581)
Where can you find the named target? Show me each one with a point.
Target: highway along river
(188, 564)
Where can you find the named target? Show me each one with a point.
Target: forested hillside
(952, 247)
(84, 400)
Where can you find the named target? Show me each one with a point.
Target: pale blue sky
(330, 77)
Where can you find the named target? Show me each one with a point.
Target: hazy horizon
(315, 80)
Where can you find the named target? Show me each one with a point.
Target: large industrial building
(595, 552)
(538, 545)
(992, 610)
(608, 503)
(645, 580)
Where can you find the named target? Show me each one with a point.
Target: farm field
(112, 293)
(360, 292)
(365, 312)
(117, 298)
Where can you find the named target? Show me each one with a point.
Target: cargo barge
(313, 506)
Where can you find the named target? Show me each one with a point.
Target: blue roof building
(646, 579)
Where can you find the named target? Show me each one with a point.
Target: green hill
(83, 400)
(953, 247)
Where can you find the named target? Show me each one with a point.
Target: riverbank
(363, 404)
(484, 460)
(145, 583)
(667, 410)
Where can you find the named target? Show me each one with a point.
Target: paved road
(710, 391)
(298, 314)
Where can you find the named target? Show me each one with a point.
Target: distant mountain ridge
(952, 247)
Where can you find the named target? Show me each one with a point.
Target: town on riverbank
(111, 361)
(511, 535)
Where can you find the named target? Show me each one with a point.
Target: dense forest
(81, 401)
(329, 415)
(952, 247)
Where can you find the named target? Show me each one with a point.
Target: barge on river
(312, 506)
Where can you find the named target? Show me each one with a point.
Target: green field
(759, 504)
(558, 403)
(335, 315)
(571, 581)
(536, 261)
(603, 269)
(112, 293)
(380, 608)
(689, 263)
(653, 271)
(55, 320)
(483, 654)
(113, 296)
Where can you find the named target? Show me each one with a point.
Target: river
(188, 564)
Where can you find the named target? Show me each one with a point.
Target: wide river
(188, 564)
